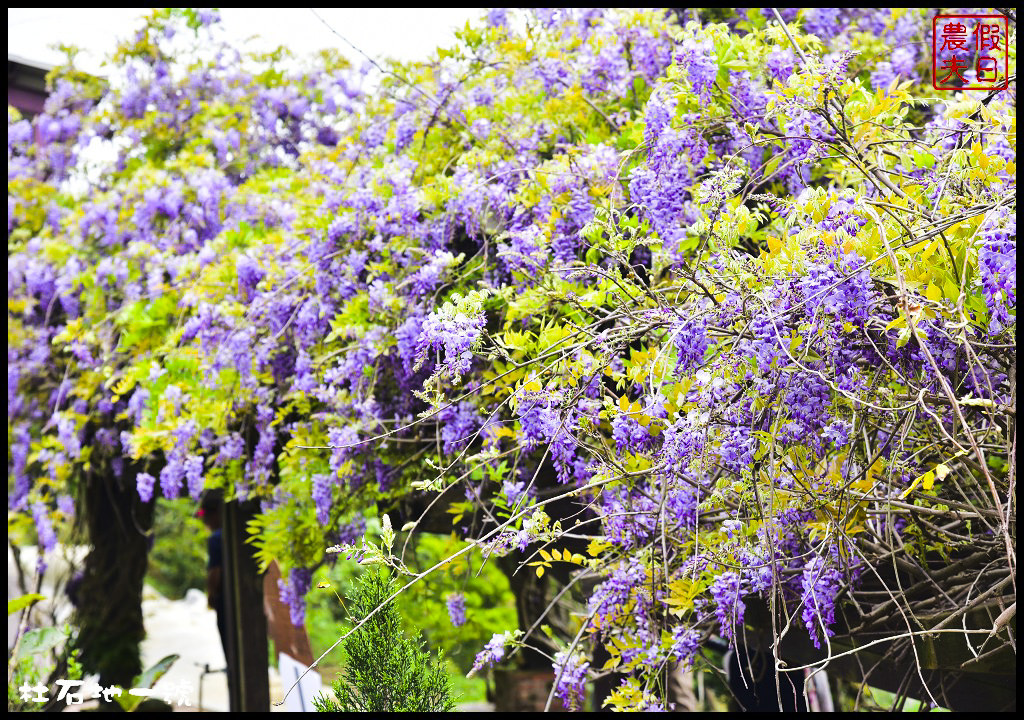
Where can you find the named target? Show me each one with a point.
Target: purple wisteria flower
(729, 606)
(685, 643)
(459, 423)
(194, 476)
(614, 595)
(570, 678)
(44, 530)
(820, 584)
(67, 435)
(691, 340)
(322, 494)
(144, 483)
(453, 331)
(997, 261)
(493, 652)
(171, 477)
(780, 64)
(66, 505)
(249, 276)
(293, 593)
(698, 57)
(456, 603)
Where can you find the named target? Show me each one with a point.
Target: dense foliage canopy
(683, 310)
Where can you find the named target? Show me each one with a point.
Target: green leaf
(923, 159)
(150, 677)
(772, 165)
(40, 641)
(24, 601)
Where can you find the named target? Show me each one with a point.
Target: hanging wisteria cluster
(697, 311)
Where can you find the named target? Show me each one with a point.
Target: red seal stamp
(970, 52)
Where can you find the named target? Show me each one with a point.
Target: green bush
(386, 669)
(490, 605)
(177, 561)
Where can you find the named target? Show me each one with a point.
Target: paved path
(188, 628)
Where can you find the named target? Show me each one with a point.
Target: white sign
(300, 699)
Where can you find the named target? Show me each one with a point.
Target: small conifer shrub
(386, 669)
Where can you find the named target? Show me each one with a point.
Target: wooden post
(248, 673)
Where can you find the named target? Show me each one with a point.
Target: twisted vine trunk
(110, 606)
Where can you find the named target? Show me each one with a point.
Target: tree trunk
(110, 608)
